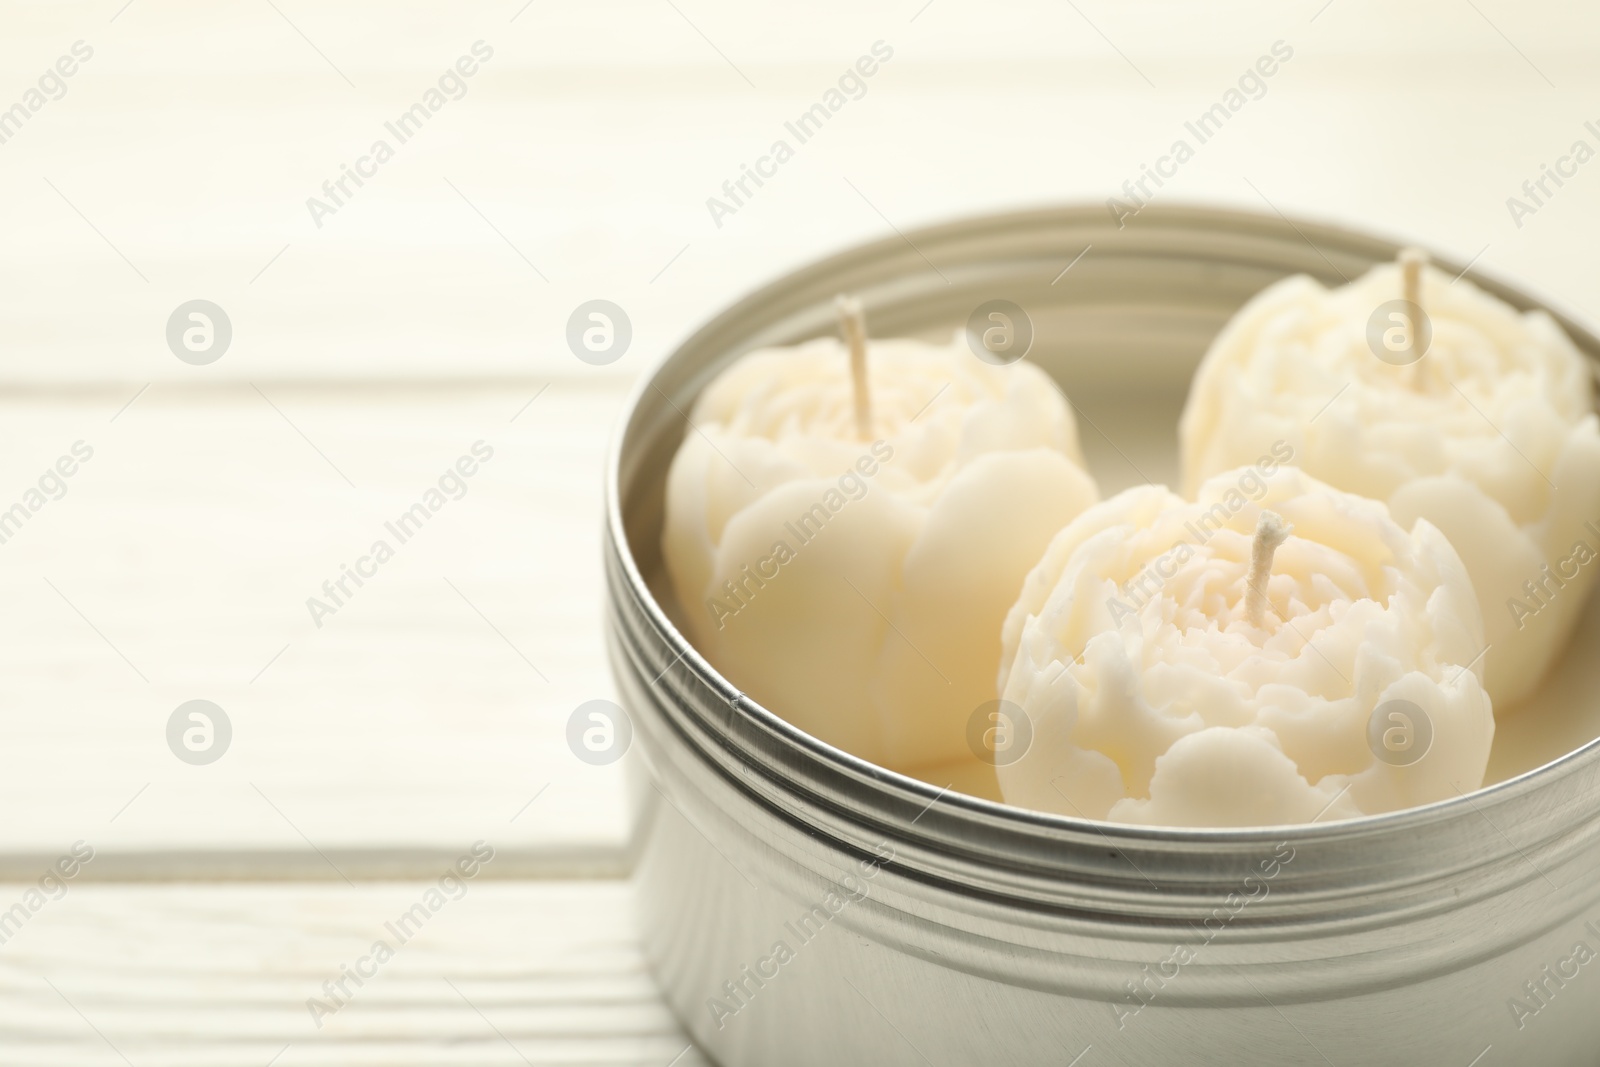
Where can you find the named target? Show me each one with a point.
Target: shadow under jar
(922, 926)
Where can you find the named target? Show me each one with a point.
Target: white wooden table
(427, 314)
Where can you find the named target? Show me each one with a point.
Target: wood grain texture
(424, 714)
(221, 976)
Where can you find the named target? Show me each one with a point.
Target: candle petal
(1490, 436)
(1154, 697)
(878, 628)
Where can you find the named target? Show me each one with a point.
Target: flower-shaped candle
(1274, 652)
(846, 526)
(1425, 392)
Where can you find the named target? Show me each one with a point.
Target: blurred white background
(594, 135)
(428, 313)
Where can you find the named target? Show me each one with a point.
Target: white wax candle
(1490, 435)
(855, 583)
(1156, 693)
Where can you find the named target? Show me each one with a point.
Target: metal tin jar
(802, 906)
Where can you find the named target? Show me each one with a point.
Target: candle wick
(853, 325)
(1271, 531)
(1412, 260)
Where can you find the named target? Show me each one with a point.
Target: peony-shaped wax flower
(1275, 652)
(1485, 429)
(845, 551)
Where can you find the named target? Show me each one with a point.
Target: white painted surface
(594, 136)
(221, 976)
(190, 544)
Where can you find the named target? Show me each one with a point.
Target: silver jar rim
(1525, 827)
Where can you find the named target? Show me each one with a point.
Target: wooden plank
(222, 975)
(580, 160)
(427, 712)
